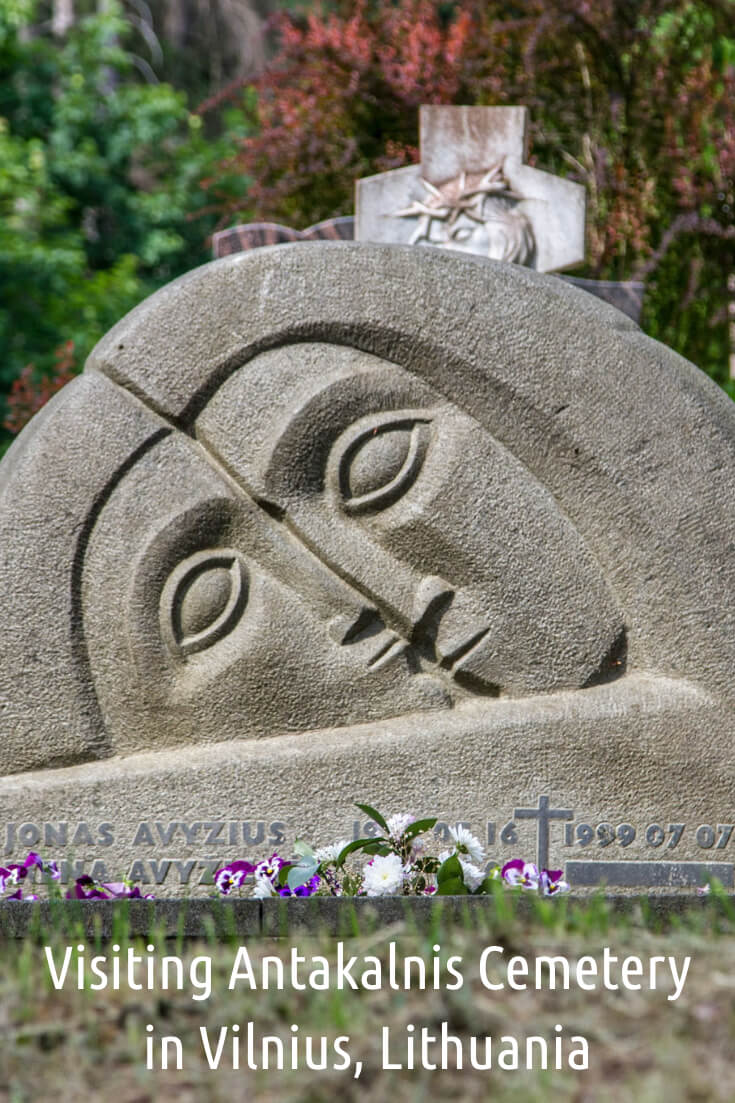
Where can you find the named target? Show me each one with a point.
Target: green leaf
(450, 870)
(283, 873)
(428, 864)
(486, 887)
(358, 844)
(302, 849)
(419, 826)
(453, 886)
(374, 816)
(301, 873)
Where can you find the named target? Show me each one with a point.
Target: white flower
(472, 875)
(397, 824)
(466, 843)
(332, 852)
(383, 876)
(263, 888)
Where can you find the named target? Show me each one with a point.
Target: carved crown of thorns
(464, 194)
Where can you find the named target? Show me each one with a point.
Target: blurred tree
(98, 185)
(634, 98)
(109, 187)
(209, 43)
(196, 45)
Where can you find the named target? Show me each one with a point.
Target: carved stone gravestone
(333, 522)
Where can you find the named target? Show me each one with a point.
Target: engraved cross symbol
(544, 815)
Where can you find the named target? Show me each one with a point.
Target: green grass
(84, 1045)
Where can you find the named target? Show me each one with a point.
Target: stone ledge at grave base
(169, 819)
(224, 920)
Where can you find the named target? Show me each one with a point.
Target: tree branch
(690, 223)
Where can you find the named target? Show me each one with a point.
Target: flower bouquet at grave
(396, 862)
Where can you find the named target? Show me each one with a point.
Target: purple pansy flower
(266, 875)
(307, 889)
(232, 876)
(86, 888)
(520, 874)
(269, 868)
(11, 876)
(16, 872)
(552, 883)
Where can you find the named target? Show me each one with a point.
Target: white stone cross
(473, 192)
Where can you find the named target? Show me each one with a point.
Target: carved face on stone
(324, 487)
(473, 213)
(328, 522)
(339, 544)
(499, 231)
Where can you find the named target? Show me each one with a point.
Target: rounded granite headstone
(335, 522)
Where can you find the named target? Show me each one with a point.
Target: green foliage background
(634, 100)
(112, 180)
(99, 185)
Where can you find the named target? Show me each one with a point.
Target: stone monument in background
(474, 192)
(333, 522)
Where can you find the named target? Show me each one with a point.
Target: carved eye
(381, 462)
(202, 600)
(462, 233)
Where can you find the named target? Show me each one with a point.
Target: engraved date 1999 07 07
(706, 836)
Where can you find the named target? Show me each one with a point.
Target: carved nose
(432, 596)
(446, 621)
(375, 644)
(443, 629)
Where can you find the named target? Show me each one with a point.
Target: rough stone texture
(535, 219)
(623, 295)
(316, 916)
(110, 919)
(52, 483)
(336, 522)
(469, 139)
